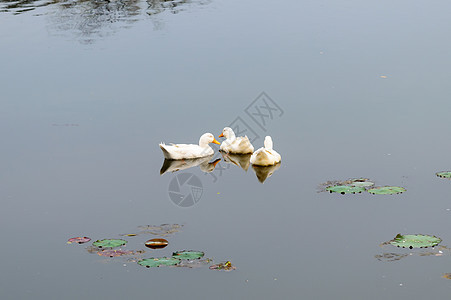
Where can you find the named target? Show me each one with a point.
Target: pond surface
(357, 89)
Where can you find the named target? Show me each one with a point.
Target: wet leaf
(415, 241)
(156, 262)
(387, 190)
(447, 276)
(345, 189)
(188, 254)
(362, 184)
(156, 243)
(196, 263)
(162, 230)
(109, 243)
(129, 234)
(79, 240)
(446, 174)
(226, 266)
(115, 253)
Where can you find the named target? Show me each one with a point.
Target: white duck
(265, 156)
(187, 151)
(233, 144)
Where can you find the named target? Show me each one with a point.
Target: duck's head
(228, 133)
(268, 142)
(206, 139)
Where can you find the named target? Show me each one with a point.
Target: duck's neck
(231, 136)
(268, 143)
(203, 143)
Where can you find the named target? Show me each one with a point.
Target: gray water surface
(90, 88)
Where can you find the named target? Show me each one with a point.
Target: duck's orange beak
(216, 142)
(221, 135)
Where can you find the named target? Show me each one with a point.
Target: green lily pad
(415, 241)
(156, 262)
(109, 243)
(188, 254)
(387, 190)
(345, 189)
(362, 184)
(446, 174)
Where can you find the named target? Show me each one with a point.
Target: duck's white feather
(235, 145)
(189, 151)
(266, 156)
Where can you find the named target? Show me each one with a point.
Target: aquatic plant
(446, 174)
(156, 262)
(415, 241)
(189, 255)
(386, 190)
(345, 189)
(109, 243)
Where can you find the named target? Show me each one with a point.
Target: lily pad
(415, 241)
(109, 243)
(226, 266)
(79, 240)
(387, 190)
(156, 262)
(446, 174)
(115, 253)
(197, 263)
(345, 189)
(156, 243)
(190, 255)
(362, 184)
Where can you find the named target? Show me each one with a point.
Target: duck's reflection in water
(177, 165)
(265, 172)
(241, 160)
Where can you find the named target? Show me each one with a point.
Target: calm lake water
(90, 88)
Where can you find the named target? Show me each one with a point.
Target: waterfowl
(265, 156)
(189, 151)
(233, 144)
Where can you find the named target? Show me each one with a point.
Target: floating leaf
(226, 266)
(115, 253)
(447, 276)
(415, 241)
(362, 184)
(129, 234)
(156, 243)
(156, 262)
(446, 174)
(109, 243)
(79, 240)
(345, 189)
(162, 230)
(196, 263)
(188, 254)
(386, 190)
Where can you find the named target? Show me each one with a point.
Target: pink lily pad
(79, 240)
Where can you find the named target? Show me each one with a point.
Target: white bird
(265, 156)
(187, 151)
(233, 144)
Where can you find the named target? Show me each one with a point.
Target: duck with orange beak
(189, 151)
(233, 144)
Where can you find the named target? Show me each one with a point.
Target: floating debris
(156, 243)
(345, 189)
(387, 190)
(116, 253)
(189, 255)
(226, 266)
(447, 276)
(415, 241)
(446, 174)
(109, 243)
(79, 240)
(162, 230)
(129, 234)
(156, 262)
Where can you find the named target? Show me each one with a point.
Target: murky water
(90, 88)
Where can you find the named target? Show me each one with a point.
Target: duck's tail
(165, 151)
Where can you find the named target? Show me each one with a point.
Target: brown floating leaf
(156, 243)
(447, 276)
